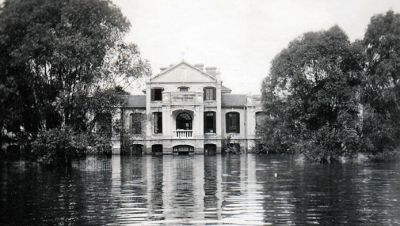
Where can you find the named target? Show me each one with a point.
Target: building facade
(186, 109)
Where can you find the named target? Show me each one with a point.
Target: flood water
(205, 190)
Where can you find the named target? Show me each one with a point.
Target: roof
(171, 67)
(234, 100)
(137, 101)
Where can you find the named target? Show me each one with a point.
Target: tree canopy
(311, 96)
(381, 86)
(327, 97)
(55, 56)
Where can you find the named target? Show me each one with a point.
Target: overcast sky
(239, 37)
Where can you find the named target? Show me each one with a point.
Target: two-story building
(186, 109)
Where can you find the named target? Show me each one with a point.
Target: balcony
(182, 134)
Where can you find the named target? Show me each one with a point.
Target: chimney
(211, 70)
(162, 68)
(199, 66)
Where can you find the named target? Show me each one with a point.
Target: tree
(311, 97)
(381, 86)
(56, 57)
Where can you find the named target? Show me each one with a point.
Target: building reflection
(176, 188)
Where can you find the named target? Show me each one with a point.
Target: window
(183, 89)
(209, 93)
(232, 122)
(103, 124)
(157, 124)
(157, 149)
(260, 118)
(184, 121)
(156, 94)
(136, 123)
(209, 122)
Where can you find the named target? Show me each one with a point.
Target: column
(218, 113)
(218, 121)
(148, 118)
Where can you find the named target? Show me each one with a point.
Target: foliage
(327, 97)
(228, 147)
(60, 146)
(311, 97)
(381, 86)
(61, 63)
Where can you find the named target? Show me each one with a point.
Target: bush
(61, 146)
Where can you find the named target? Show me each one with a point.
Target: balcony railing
(183, 133)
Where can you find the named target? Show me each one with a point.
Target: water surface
(176, 190)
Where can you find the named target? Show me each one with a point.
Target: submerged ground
(245, 189)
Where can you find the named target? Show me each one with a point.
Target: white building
(186, 109)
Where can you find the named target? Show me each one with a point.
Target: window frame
(157, 122)
(260, 117)
(230, 121)
(206, 95)
(153, 93)
(206, 122)
(183, 89)
(136, 126)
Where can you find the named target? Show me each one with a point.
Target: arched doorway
(157, 149)
(210, 149)
(136, 149)
(183, 149)
(184, 121)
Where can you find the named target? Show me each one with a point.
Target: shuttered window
(209, 93)
(232, 122)
(136, 123)
(209, 122)
(157, 122)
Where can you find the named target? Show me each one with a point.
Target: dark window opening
(183, 149)
(209, 93)
(157, 149)
(136, 123)
(157, 122)
(103, 124)
(156, 94)
(183, 89)
(134, 149)
(210, 149)
(184, 121)
(232, 122)
(209, 122)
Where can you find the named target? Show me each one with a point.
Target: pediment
(183, 72)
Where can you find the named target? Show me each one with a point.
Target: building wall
(170, 106)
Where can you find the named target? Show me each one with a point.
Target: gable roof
(135, 101)
(233, 100)
(179, 64)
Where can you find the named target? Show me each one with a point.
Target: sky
(239, 37)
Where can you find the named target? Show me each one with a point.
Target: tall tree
(54, 55)
(311, 96)
(381, 87)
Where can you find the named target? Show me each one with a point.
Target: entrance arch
(157, 149)
(183, 149)
(184, 121)
(210, 149)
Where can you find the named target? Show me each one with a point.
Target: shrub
(59, 146)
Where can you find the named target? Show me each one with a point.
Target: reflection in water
(246, 189)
